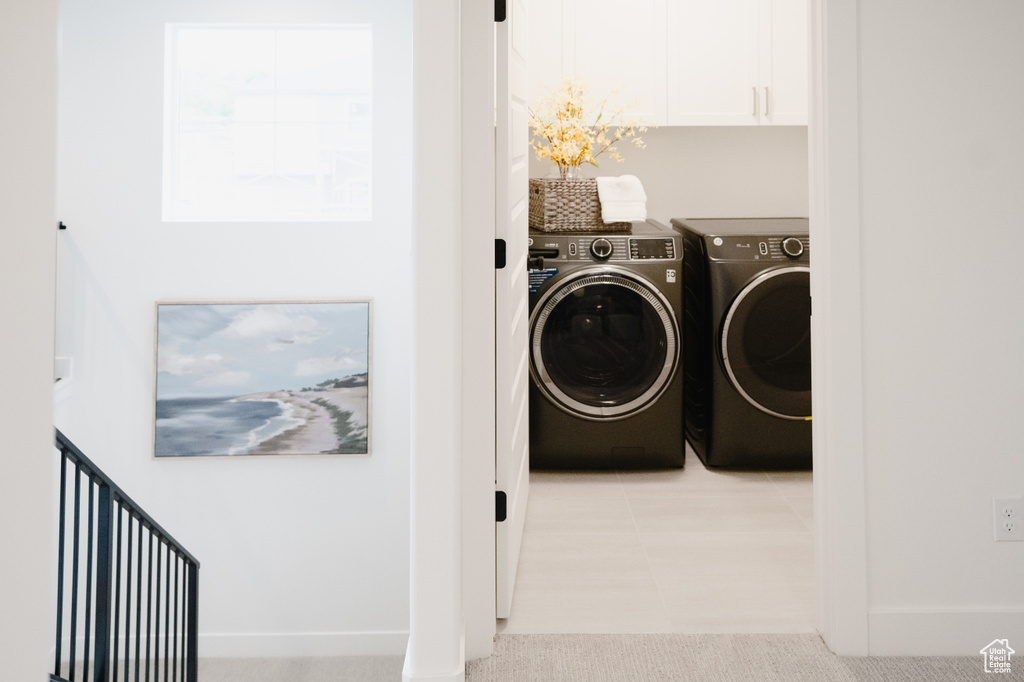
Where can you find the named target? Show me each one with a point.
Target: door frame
(448, 608)
(836, 341)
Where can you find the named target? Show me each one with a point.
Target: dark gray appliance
(747, 341)
(605, 349)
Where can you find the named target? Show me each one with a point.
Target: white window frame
(171, 129)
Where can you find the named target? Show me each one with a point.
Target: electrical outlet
(1008, 519)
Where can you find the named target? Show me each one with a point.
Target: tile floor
(690, 551)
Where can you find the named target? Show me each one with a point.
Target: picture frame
(263, 378)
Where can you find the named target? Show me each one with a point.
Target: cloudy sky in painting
(221, 350)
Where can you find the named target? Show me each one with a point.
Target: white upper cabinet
(713, 62)
(546, 64)
(613, 47)
(616, 46)
(685, 62)
(784, 69)
(737, 62)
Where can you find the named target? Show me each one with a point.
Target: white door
(512, 442)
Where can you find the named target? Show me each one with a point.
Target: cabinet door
(713, 74)
(614, 45)
(619, 45)
(784, 70)
(548, 60)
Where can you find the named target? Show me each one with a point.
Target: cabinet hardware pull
(766, 100)
(754, 88)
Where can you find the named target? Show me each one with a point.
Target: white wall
(28, 79)
(941, 145)
(304, 555)
(713, 172)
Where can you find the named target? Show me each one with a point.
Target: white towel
(622, 199)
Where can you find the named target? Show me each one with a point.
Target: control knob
(601, 248)
(792, 247)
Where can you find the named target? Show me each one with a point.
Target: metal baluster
(104, 581)
(128, 602)
(138, 608)
(60, 558)
(167, 619)
(192, 661)
(117, 596)
(156, 660)
(74, 574)
(149, 604)
(88, 578)
(174, 667)
(184, 616)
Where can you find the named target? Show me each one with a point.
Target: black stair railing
(127, 602)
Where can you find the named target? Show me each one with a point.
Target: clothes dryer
(747, 341)
(606, 389)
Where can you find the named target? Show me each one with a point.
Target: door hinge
(499, 11)
(499, 254)
(500, 506)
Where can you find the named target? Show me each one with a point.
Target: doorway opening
(697, 549)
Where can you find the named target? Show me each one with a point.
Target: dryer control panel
(758, 247)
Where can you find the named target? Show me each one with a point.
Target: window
(268, 123)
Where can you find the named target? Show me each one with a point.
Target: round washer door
(766, 342)
(603, 343)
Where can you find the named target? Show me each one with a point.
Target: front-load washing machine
(606, 390)
(747, 341)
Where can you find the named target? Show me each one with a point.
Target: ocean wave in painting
(194, 427)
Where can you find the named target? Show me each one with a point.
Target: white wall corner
(28, 229)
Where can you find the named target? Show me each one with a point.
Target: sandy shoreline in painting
(314, 431)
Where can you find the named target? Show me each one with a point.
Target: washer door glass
(766, 342)
(603, 344)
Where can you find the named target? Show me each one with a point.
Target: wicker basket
(568, 206)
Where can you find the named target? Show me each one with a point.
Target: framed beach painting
(263, 379)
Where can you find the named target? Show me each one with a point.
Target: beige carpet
(704, 658)
(628, 658)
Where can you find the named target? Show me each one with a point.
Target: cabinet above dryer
(685, 62)
(737, 62)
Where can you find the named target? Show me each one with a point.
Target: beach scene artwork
(262, 379)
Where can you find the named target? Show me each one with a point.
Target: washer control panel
(606, 248)
(655, 252)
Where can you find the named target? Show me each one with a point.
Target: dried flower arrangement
(568, 134)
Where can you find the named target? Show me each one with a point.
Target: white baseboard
(410, 672)
(457, 676)
(899, 632)
(410, 675)
(300, 644)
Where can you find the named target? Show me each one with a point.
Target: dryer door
(604, 343)
(766, 342)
